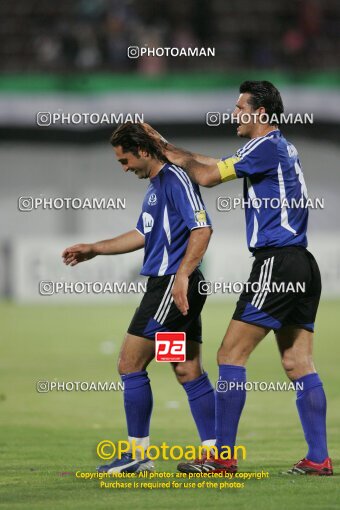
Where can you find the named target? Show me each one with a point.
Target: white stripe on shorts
(165, 300)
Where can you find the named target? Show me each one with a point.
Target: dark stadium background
(71, 56)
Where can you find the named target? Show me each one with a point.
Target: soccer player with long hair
(174, 230)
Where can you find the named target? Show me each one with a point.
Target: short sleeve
(259, 158)
(139, 225)
(186, 199)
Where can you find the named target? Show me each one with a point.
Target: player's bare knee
(232, 356)
(187, 371)
(126, 366)
(289, 364)
(296, 368)
(122, 367)
(290, 371)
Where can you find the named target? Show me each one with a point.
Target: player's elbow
(205, 180)
(209, 176)
(209, 231)
(203, 234)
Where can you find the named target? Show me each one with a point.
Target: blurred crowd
(93, 35)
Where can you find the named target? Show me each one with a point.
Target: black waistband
(271, 250)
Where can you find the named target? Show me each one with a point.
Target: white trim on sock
(144, 442)
(209, 442)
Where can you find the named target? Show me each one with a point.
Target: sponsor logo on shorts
(170, 346)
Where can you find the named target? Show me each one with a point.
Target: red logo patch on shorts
(170, 346)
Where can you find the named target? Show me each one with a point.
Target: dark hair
(132, 137)
(263, 93)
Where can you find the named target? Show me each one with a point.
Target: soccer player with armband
(277, 237)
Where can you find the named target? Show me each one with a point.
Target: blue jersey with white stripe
(172, 207)
(274, 191)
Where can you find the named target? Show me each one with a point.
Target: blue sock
(202, 404)
(312, 406)
(138, 403)
(229, 404)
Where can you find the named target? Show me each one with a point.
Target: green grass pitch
(45, 435)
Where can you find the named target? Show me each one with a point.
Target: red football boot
(210, 465)
(308, 467)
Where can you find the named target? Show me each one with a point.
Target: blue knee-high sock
(230, 401)
(138, 403)
(202, 404)
(312, 406)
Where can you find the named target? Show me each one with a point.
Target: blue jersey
(274, 191)
(172, 207)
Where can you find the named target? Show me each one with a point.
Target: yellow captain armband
(227, 169)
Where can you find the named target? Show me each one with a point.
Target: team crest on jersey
(147, 222)
(200, 216)
(152, 199)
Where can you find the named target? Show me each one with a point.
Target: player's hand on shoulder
(78, 253)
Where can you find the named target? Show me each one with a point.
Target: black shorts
(158, 312)
(296, 270)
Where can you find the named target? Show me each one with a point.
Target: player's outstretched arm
(125, 243)
(201, 169)
(197, 246)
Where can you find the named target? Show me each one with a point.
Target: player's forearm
(125, 243)
(182, 156)
(201, 169)
(197, 246)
